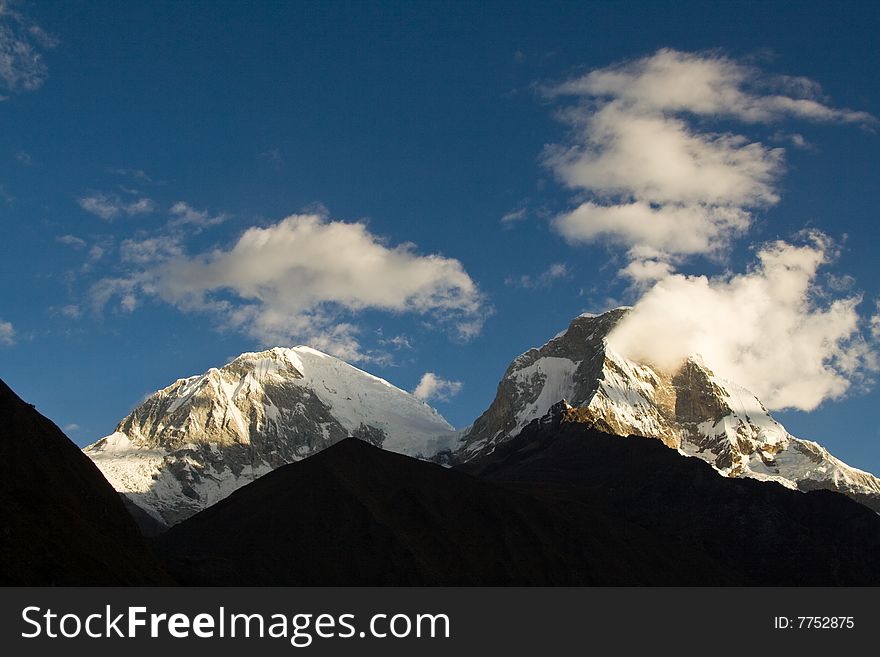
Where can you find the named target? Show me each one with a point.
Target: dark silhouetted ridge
(759, 531)
(62, 523)
(358, 515)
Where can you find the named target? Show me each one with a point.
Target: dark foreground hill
(61, 522)
(561, 504)
(358, 515)
(761, 531)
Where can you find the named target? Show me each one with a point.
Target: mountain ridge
(765, 533)
(691, 410)
(376, 517)
(192, 443)
(560, 504)
(62, 523)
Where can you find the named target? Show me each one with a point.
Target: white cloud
(137, 174)
(7, 333)
(514, 216)
(660, 159)
(108, 288)
(96, 253)
(671, 81)
(659, 181)
(73, 426)
(772, 329)
(796, 140)
(71, 311)
(654, 177)
(295, 280)
(875, 324)
(183, 213)
(432, 386)
(110, 206)
(140, 206)
(655, 231)
(398, 342)
(71, 240)
(150, 250)
(554, 272)
(645, 272)
(22, 67)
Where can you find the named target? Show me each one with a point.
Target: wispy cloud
(7, 334)
(136, 174)
(71, 311)
(22, 67)
(110, 206)
(398, 342)
(546, 278)
(514, 216)
(71, 240)
(183, 213)
(25, 159)
(150, 250)
(432, 386)
(274, 158)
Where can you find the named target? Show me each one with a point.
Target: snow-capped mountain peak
(691, 410)
(195, 441)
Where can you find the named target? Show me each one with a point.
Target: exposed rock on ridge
(194, 442)
(691, 410)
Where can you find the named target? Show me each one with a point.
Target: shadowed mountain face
(61, 523)
(560, 504)
(358, 515)
(761, 531)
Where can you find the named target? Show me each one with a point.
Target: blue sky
(147, 151)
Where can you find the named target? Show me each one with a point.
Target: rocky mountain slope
(191, 444)
(62, 524)
(691, 410)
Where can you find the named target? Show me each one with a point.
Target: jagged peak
(604, 322)
(589, 315)
(611, 316)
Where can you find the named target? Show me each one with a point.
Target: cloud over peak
(299, 279)
(772, 328)
(658, 170)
